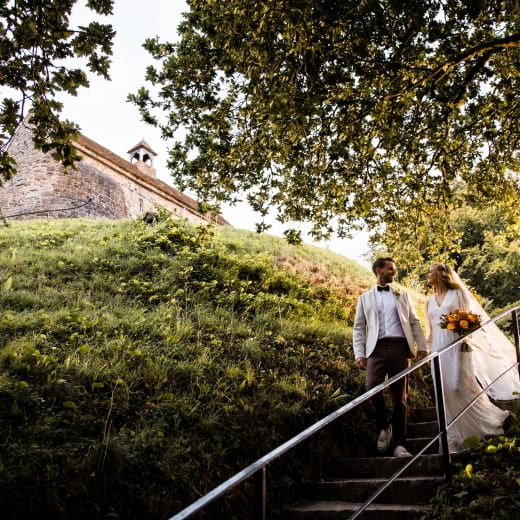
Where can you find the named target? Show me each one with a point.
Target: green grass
(141, 365)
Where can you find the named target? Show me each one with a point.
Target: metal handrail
(443, 425)
(261, 463)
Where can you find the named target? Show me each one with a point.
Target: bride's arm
(428, 329)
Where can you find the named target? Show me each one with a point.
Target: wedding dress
(491, 353)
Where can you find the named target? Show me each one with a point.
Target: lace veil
(493, 353)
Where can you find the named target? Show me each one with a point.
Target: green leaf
(341, 114)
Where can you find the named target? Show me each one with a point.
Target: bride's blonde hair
(447, 276)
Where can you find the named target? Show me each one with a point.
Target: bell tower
(142, 156)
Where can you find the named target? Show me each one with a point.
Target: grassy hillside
(141, 365)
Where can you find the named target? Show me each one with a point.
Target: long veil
(493, 354)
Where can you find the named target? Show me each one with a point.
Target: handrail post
(260, 501)
(441, 416)
(514, 319)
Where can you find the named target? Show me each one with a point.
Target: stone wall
(115, 188)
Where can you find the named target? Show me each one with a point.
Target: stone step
(416, 445)
(422, 429)
(338, 509)
(408, 490)
(413, 445)
(419, 436)
(423, 415)
(349, 481)
(383, 467)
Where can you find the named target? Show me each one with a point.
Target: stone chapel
(103, 185)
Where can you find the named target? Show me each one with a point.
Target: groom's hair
(380, 262)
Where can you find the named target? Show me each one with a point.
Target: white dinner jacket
(366, 323)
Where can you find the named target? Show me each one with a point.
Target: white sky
(104, 115)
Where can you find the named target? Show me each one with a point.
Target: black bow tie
(383, 287)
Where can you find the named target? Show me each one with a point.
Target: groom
(386, 328)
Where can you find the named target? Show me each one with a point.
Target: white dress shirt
(389, 322)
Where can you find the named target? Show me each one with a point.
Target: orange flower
(451, 325)
(460, 321)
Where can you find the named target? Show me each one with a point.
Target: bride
(463, 371)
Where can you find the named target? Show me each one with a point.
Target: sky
(104, 115)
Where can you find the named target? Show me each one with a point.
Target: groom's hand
(421, 354)
(362, 363)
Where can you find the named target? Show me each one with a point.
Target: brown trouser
(390, 357)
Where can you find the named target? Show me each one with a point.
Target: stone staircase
(349, 482)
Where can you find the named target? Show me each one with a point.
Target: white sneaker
(401, 451)
(384, 439)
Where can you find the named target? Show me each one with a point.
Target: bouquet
(462, 322)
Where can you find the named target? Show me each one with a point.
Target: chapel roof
(133, 172)
(142, 144)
